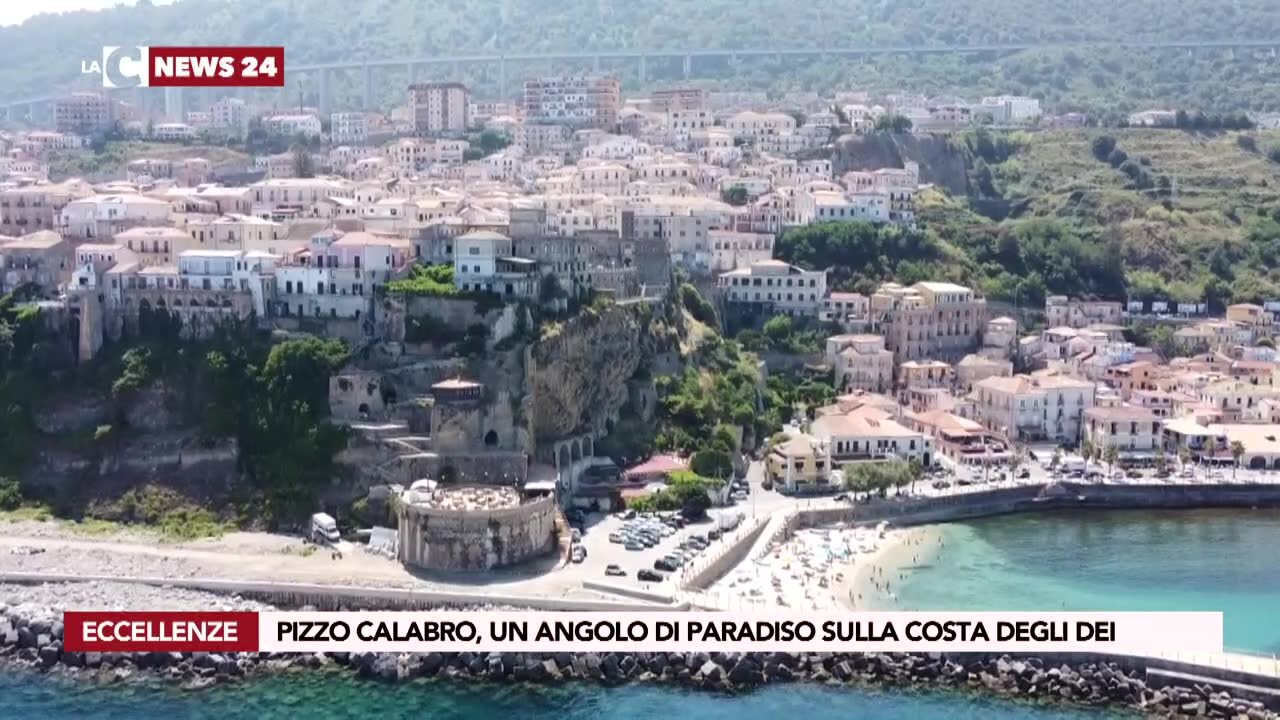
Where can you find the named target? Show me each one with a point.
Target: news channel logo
(121, 66)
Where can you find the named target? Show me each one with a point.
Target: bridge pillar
(643, 70)
(688, 66)
(366, 101)
(325, 101)
(173, 109)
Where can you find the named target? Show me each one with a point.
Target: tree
(712, 463)
(1086, 450)
(1102, 147)
(1056, 460)
(1161, 461)
(896, 124)
(1184, 456)
(1016, 459)
(736, 195)
(1111, 455)
(778, 329)
(1237, 452)
(303, 164)
(916, 470)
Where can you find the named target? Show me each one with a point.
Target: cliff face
(577, 376)
(941, 162)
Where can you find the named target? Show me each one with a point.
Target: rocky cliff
(578, 373)
(942, 162)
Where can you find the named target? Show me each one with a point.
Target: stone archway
(590, 449)
(1258, 463)
(575, 450)
(448, 474)
(491, 439)
(562, 457)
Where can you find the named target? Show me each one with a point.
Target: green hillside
(44, 53)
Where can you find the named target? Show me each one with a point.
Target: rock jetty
(31, 636)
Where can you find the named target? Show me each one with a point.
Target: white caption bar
(1136, 633)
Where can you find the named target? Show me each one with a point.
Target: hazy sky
(13, 12)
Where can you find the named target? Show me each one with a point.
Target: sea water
(339, 696)
(1110, 560)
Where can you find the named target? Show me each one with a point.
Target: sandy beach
(830, 568)
(871, 585)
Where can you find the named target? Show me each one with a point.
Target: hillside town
(446, 220)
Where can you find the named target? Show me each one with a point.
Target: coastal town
(580, 362)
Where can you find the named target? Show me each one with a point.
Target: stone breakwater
(31, 635)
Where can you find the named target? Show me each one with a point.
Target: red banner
(160, 631)
(215, 66)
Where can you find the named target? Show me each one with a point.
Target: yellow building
(800, 466)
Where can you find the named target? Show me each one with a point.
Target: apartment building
(286, 198)
(484, 261)
(1010, 109)
(1062, 311)
(826, 205)
(348, 127)
(676, 99)
(229, 114)
(868, 433)
(1034, 407)
(577, 101)
(31, 208)
(173, 132)
(799, 466)
(860, 362)
(847, 309)
(155, 245)
(731, 250)
(102, 216)
(1135, 432)
(750, 125)
(770, 287)
(439, 107)
(42, 258)
(924, 374)
(961, 439)
(84, 114)
(338, 274)
(293, 125)
(929, 320)
(973, 369)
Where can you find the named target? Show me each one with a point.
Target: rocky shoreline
(31, 637)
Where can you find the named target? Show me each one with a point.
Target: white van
(324, 529)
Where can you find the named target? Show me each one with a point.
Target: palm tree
(916, 470)
(1184, 456)
(1161, 461)
(1086, 451)
(1015, 460)
(1111, 455)
(1237, 452)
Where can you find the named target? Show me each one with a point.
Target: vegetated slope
(44, 52)
(1192, 215)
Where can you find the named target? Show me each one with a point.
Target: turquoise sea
(1112, 560)
(1206, 560)
(339, 697)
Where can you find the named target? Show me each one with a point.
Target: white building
(773, 286)
(291, 125)
(348, 127)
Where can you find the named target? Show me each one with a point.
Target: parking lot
(601, 552)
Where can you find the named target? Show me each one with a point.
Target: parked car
(578, 554)
(714, 534)
(635, 545)
(964, 482)
(576, 534)
(647, 575)
(842, 498)
(1024, 473)
(1134, 474)
(663, 564)
(615, 571)
(615, 537)
(941, 484)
